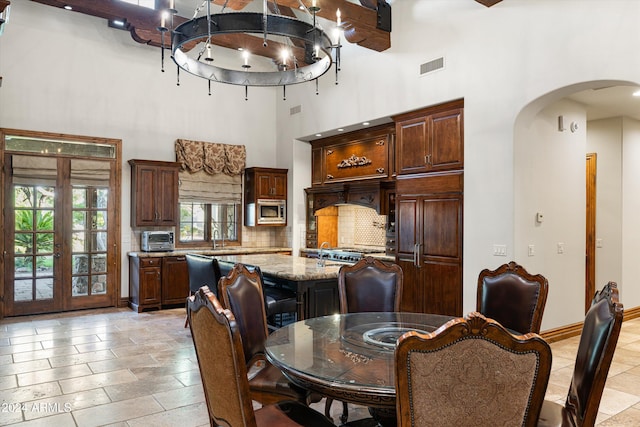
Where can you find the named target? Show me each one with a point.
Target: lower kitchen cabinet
(175, 280)
(145, 283)
(157, 281)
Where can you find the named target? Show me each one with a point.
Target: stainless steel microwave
(267, 212)
(157, 241)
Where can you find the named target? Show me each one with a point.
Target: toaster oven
(157, 241)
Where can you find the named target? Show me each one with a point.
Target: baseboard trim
(564, 332)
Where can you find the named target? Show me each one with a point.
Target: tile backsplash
(360, 226)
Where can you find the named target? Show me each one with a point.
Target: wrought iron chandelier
(304, 50)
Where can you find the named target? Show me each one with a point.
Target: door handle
(57, 255)
(418, 262)
(415, 254)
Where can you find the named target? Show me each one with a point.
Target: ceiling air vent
(431, 66)
(295, 110)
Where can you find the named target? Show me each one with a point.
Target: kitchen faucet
(321, 260)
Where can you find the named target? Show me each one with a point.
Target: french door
(60, 233)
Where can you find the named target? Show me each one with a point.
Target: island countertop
(286, 266)
(228, 250)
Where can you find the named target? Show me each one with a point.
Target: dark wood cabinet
(154, 193)
(430, 140)
(145, 279)
(175, 280)
(155, 282)
(265, 183)
(429, 242)
(356, 156)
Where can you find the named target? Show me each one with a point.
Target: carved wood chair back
(470, 372)
(370, 285)
(513, 297)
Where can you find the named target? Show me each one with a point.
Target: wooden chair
(470, 372)
(369, 285)
(241, 292)
(278, 301)
(203, 270)
(218, 346)
(598, 340)
(512, 297)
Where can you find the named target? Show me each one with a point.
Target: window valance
(211, 157)
(210, 172)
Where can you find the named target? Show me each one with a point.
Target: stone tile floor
(120, 368)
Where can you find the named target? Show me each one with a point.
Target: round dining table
(348, 357)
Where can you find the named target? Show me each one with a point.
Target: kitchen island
(315, 286)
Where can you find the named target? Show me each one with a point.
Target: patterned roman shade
(210, 172)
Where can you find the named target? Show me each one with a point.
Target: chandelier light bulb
(209, 56)
(338, 17)
(245, 55)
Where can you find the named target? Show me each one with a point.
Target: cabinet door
(264, 186)
(411, 145)
(167, 197)
(271, 186)
(175, 280)
(441, 254)
(279, 186)
(149, 292)
(407, 232)
(446, 143)
(144, 195)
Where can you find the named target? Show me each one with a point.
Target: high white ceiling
(610, 102)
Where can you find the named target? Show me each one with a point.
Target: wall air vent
(295, 110)
(434, 65)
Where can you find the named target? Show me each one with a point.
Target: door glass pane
(99, 263)
(99, 285)
(44, 266)
(99, 220)
(44, 243)
(44, 288)
(98, 241)
(79, 286)
(23, 290)
(33, 230)
(79, 220)
(79, 196)
(80, 264)
(78, 239)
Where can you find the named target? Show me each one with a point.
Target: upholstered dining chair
(241, 292)
(218, 345)
(470, 372)
(598, 340)
(278, 301)
(513, 297)
(203, 270)
(369, 285)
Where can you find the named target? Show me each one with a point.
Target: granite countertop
(288, 267)
(230, 250)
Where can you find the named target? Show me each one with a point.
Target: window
(205, 222)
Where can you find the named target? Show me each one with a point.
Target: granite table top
(287, 267)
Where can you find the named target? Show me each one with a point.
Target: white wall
(604, 138)
(550, 180)
(72, 74)
(630, 289)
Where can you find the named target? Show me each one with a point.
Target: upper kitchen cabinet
(154, 193)
(265, 183)
(431, 139)
(356, 156)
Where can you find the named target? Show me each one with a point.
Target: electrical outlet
(560, 248)
(499, 250)
(532, 250)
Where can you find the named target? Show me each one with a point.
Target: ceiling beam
(359, 22)
(488, 3)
